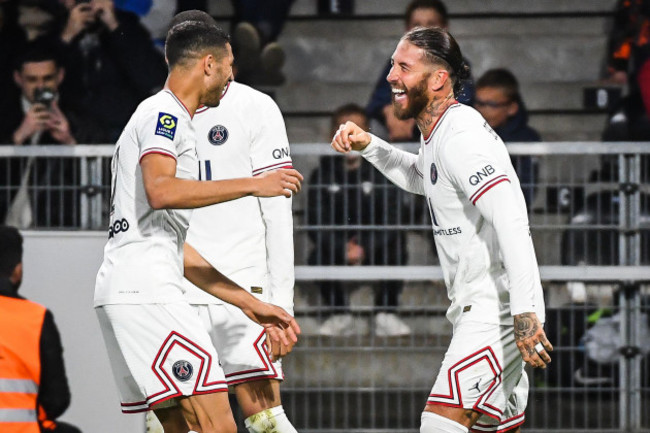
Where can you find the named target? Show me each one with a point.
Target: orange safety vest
(21, 322)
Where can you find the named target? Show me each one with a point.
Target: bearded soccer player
(157, 346)
(480, 227)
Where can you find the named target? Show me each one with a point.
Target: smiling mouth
(398, 94)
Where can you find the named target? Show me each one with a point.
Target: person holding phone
(39, 115)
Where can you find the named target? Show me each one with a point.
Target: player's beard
(417, 101)
(214, 96)
(213, 99)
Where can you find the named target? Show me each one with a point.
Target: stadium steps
(555, 48)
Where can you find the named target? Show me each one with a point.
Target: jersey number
(433, 215)
(115, 163)
(208, 170)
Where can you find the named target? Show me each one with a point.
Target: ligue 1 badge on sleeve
(218, 135)
(434, 174)
(183, 370)
(166, 125)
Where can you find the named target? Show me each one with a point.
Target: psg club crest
(218, 135)
(183, 370)
(434, 174)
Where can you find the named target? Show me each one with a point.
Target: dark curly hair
(441, 48)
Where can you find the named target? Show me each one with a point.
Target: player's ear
(209, 64)
(439, 78)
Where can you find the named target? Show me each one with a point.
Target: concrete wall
(60, 269)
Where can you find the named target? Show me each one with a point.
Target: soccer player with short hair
(251, 241)
(480, 227)
(156, 343)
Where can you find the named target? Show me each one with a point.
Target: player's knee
(272, 420)
(434, 423)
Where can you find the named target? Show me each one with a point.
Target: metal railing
(590, 220)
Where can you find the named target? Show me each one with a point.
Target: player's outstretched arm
(203, 275)
(165, 191)
(531, 340)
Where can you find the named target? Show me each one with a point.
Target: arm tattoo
(525, 326)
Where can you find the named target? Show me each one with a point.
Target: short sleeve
(471, 164)
(270, 147)
(159, 132)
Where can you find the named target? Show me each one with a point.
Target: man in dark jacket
(499, 101)
(31, 356)
(111, 56)
(39, 114)
(347, 191)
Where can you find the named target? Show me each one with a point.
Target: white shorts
(483, 370)
(158, 352)
(240, 342)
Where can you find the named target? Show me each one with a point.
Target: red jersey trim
(285, 164)
(179, 102)
(455, 397)
(158, 151)
(439, 120)
(268, 370)
(225, 90)
(506, 425)
(418, 170)
(171, 390)
(201, 109)
(488, 186)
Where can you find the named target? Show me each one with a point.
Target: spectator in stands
(258, 56)
(499, 101)
(349, 191)
(110, 61)
(31, 356)
(419, 13)
(39, 114)
(629, 63)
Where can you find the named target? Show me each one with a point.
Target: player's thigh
(241, 344)
(258, 395)
(157, 352)
(482, 372)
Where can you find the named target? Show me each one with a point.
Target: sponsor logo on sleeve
(483, 173)
(166, 125)
(281, 153)
(218, 135)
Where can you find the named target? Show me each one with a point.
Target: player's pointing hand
(350, 137)
(284, 182)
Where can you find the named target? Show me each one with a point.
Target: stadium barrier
(589, 212)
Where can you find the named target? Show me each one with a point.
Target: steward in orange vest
(33, 386)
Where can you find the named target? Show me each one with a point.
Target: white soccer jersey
(480, 224)
(244, 136)
(143, 259)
